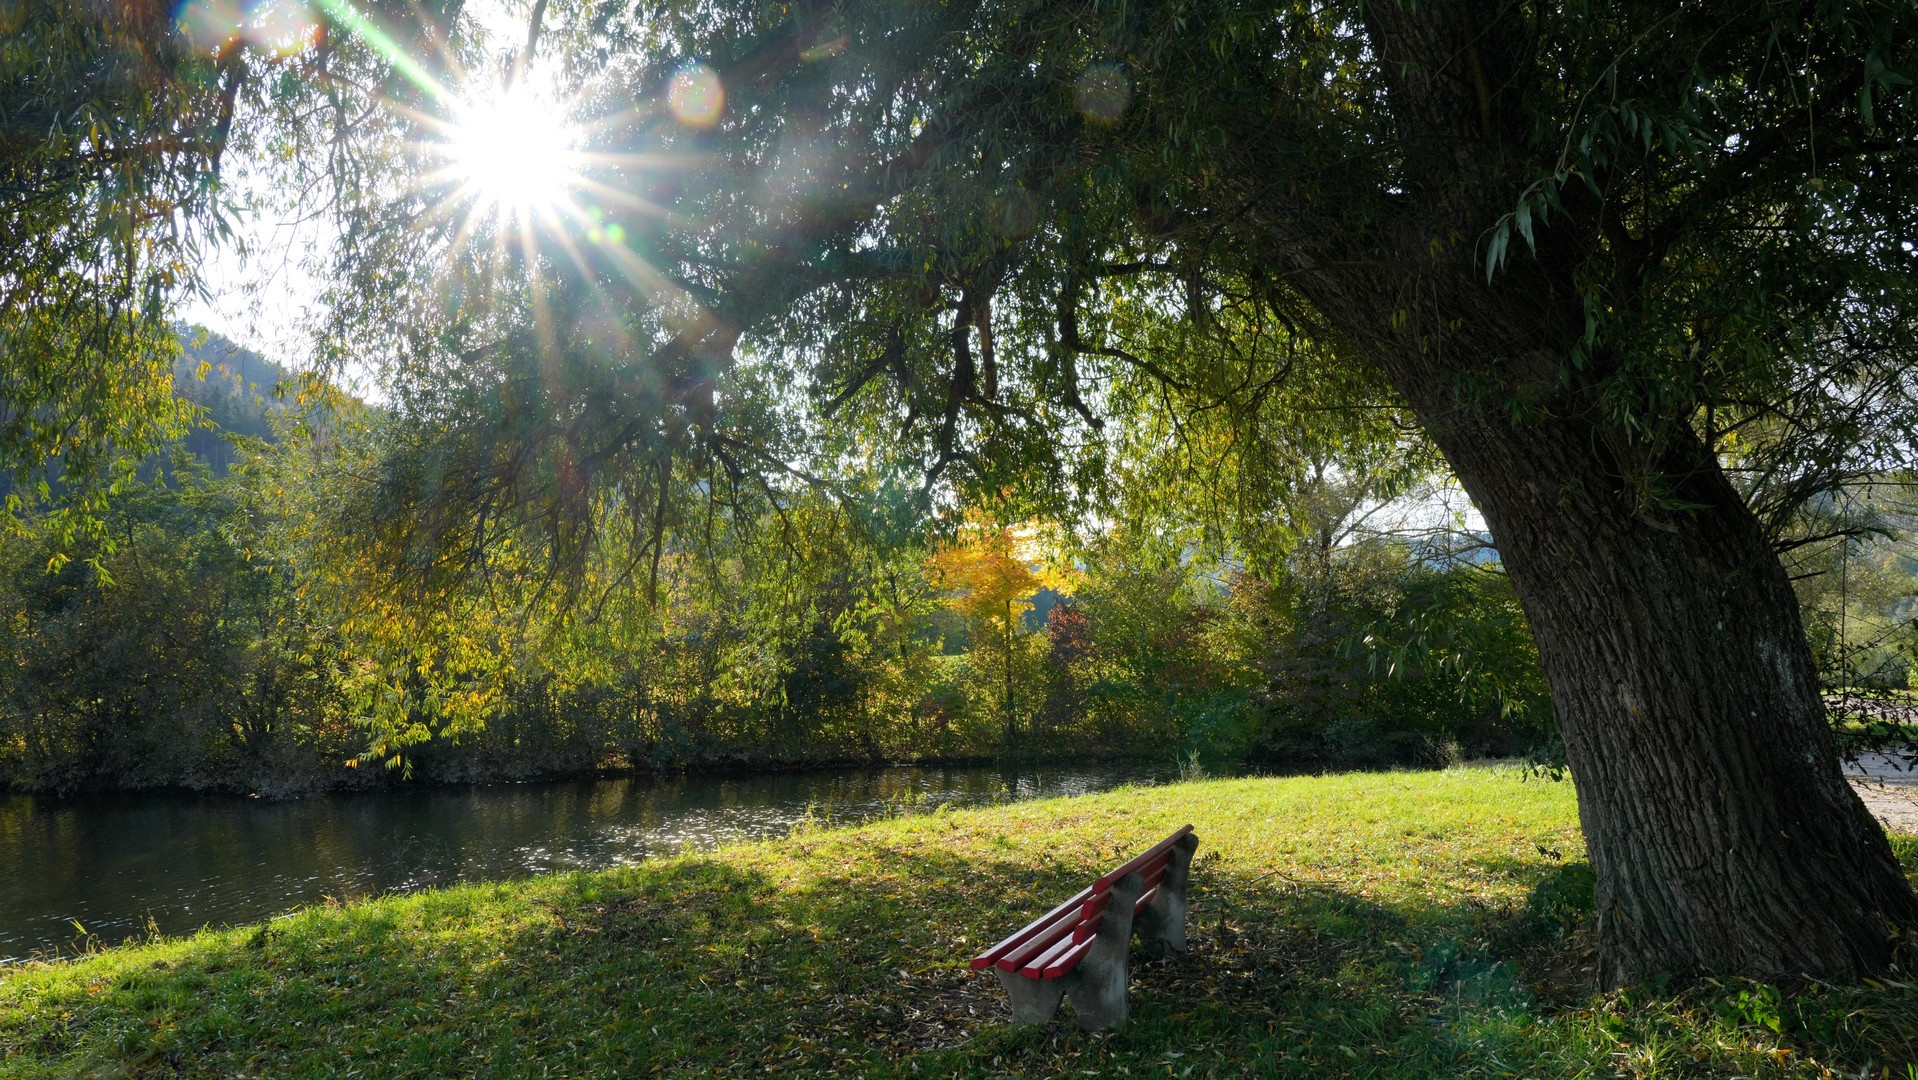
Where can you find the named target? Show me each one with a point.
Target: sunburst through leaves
(511, 152)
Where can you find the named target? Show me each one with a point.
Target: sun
(512, 152)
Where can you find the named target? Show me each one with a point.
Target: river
(120, 866)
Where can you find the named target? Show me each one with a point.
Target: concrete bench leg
(1161, 925)
(1097, 986)
(1033, 1000)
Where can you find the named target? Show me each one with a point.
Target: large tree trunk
(1722, 831)
(1723, 834)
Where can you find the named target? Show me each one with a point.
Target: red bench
(1079, 948)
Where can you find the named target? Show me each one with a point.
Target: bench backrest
(1055, 942)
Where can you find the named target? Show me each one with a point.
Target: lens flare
(1103, 93)
(275, 27)
(696, 96)
(208, 24)
(283, 27)
(514, 152)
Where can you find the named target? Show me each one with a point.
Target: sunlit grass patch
(1373, 924)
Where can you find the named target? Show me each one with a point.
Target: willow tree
(1596, 249)
(115, 121)
(111, 125)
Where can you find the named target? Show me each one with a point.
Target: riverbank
(439, 767)
(145, 863)
(1377, 924)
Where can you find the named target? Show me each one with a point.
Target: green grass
(1384, 924)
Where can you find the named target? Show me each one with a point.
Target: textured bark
(1723, 835)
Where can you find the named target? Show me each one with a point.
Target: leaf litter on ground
(1401, 924)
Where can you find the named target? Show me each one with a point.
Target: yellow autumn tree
(991, 572)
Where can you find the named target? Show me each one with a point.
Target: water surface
(120, 865)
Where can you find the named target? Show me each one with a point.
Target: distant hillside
(238, 393)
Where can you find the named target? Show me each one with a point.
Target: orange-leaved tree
(991, 573)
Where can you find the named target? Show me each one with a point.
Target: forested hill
(236, 386)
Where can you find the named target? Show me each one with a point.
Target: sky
(263, 299)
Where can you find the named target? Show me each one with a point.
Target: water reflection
(183, 862)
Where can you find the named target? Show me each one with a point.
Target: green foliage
(1565, 898)
(766, 627)
(882, 267)
(1371, 656)
(1156, 664)
(967, 270)
(1240, 436)
(1853, 570)
(1380, 656)
(1857, 597)
(234, 392)
(800, 637)
(177, 658)
(113, 129)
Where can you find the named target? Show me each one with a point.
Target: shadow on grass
(846, 955)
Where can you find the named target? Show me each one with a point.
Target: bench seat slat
(1036, 968)
(1068, 959)
(1095, 905)
(1038, 943)
(1019, 937)
(1088, 927)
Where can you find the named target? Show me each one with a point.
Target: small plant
(1441, 751)
(1565, 897)
(1547, 762)
(1761, 1006)
(85, 942)
(813, 820)
(1190, 769)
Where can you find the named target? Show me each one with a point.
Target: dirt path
(1889, 790)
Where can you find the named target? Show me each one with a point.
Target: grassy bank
(1385, 924)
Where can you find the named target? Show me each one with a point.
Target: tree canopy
(1640, 277)
(111, 131)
